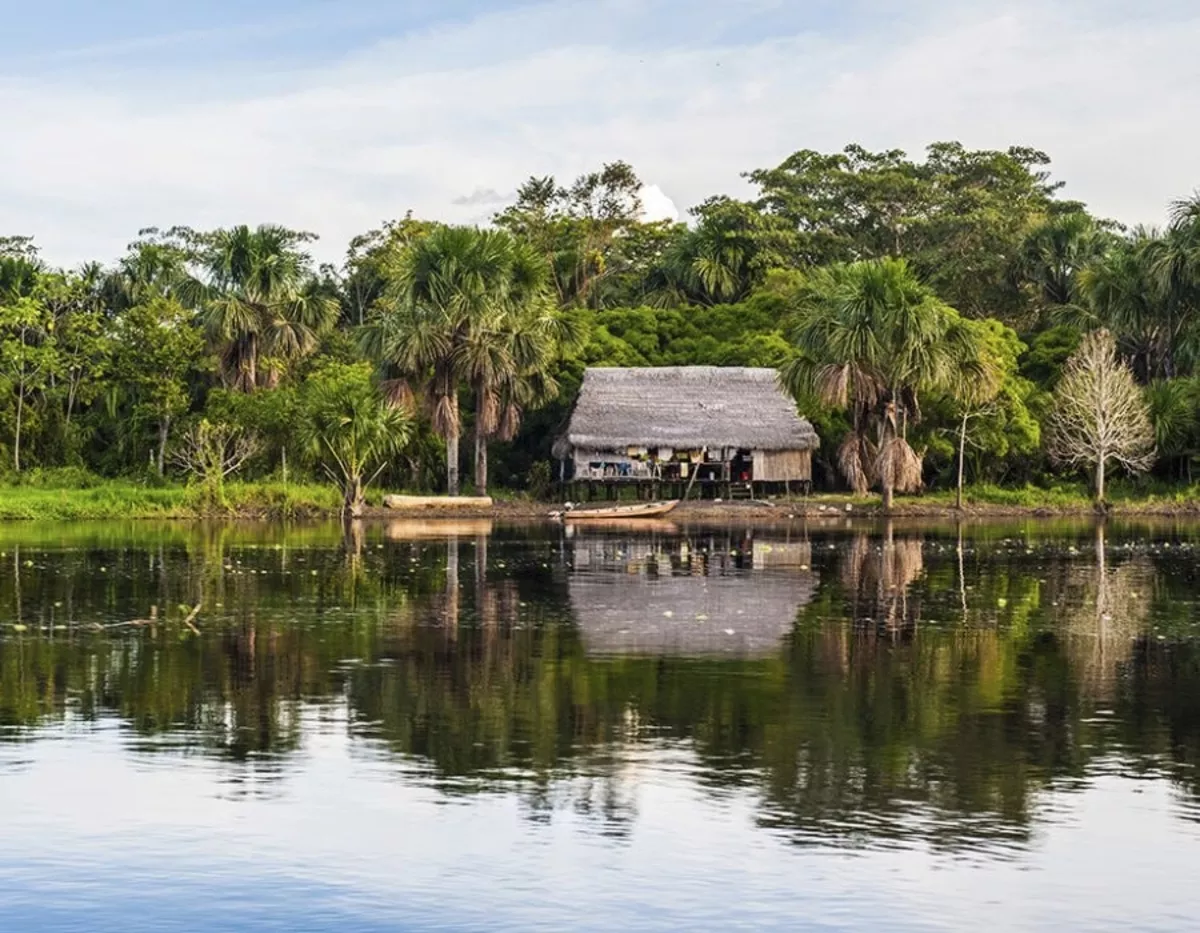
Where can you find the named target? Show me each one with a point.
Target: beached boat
(437, 503)
(641, 510)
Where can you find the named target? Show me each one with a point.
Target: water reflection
(868, 686)
(711, 593)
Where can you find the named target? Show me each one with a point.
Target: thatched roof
(686, 407)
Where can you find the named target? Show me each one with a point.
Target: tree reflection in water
(924, 685)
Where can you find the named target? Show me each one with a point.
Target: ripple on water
(565, 735)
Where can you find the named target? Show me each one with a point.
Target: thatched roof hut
(690, 408)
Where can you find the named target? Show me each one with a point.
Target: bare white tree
(1099, 414)
(211, 452)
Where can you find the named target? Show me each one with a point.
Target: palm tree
(720, 260)
(508, 354)
(1141, 292)
(872, 339)
(153, 267)
(974, 383)
(259, 301)
(465, 306)
(19, 277)
(1173, 264)
(1175, 413)
(349, 429)
(1053, 256)
(509, 369)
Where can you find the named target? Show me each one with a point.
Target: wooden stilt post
(695, 468)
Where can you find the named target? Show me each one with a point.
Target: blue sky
(333, 115)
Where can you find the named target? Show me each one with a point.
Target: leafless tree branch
(1099, 414)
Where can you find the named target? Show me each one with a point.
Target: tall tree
(159, 350)
(260, 303)
(77, 305)
(27, 360)
(872, 338)
(959, 217)
(508, 359)
(976, 381)
(457, 299)
(27, 351)
(1053, 261)
(1145, 290)
(723, 258)
(1099, 415)
(580, 230)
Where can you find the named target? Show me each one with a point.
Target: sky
(334, 115)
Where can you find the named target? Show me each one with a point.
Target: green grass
(1067, 496)
(1061, 496)
(56, 496)
(113, 499)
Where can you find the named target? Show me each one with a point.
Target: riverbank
(117, 499)
(930, 506)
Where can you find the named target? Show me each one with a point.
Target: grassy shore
(51, 500)
(123, 499)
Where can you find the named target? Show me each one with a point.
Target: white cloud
(420, 121)
(657, 206)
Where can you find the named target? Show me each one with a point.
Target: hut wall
(780, 466)
(626, 466)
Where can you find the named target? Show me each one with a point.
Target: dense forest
(941, 318)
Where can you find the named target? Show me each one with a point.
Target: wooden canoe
(643, 510)
(436, 503)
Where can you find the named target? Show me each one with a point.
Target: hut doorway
(741, 467)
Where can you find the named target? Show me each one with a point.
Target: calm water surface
(416, 727)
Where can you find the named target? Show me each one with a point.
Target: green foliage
(1047, 354)
(872, 340)
(956, 217)
(746, 334)
(260, 305)
(931, 292)
(581, 230)
(538, 480)
(159, 353)
(1175, 412)
(348, 430)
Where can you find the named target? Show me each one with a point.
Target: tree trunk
(962, 450)
(355, 500)
(164, 430)
(481, 461)
(252, 365)
(452, 464)
(17, 431)
(887, 432)
(1100, 481)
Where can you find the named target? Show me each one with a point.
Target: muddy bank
(785, 511)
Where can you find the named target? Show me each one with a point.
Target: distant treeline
(916, 307)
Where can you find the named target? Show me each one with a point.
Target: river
(460, 726)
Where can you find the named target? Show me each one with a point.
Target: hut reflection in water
(688, 594)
